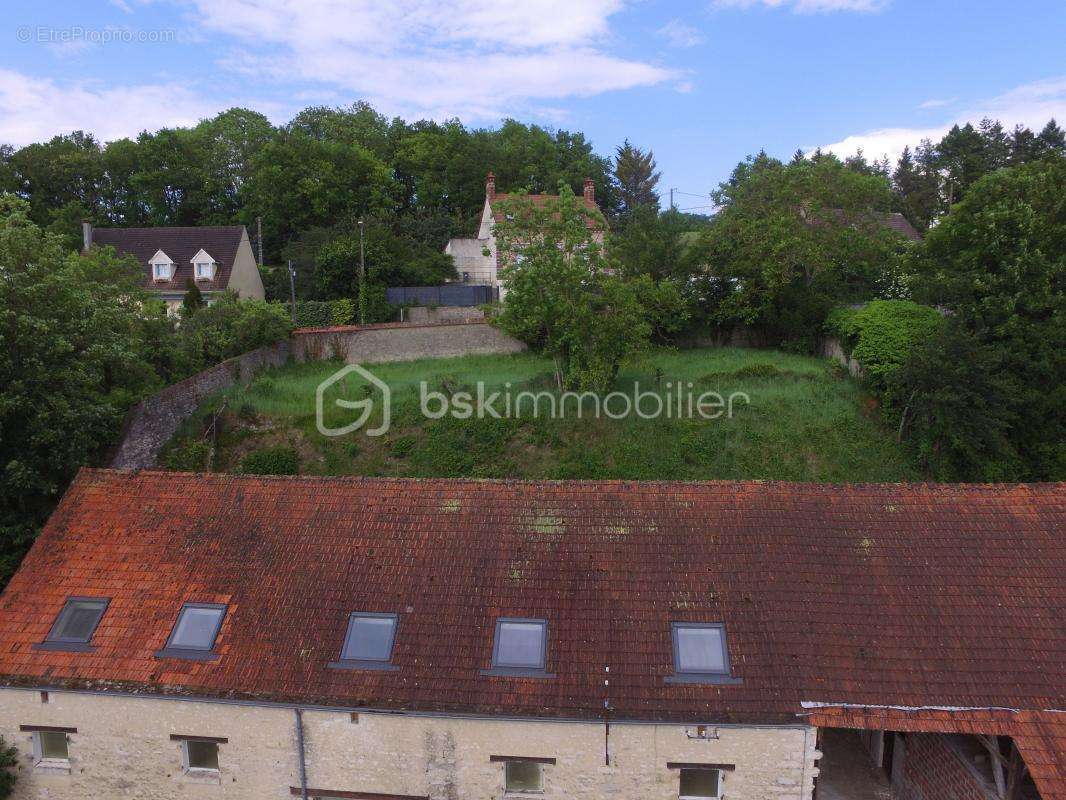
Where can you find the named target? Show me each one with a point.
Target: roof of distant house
(901, 224)
(180, 244)
(900, 595)
(594, 220)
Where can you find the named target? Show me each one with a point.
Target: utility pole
(292, 288)
(671, 198)
(362, 277)
(259, 238)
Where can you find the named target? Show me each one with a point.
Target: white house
(477, 260)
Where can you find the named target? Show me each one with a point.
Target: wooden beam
(1015, 773)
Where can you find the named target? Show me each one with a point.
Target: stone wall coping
(386, 326)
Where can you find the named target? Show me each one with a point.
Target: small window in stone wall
(200, 755)
(523, 776)
(50, 746)
(699, 784)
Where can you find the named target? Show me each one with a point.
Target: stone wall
(122, 749)
(831, 348)
(400, 341)
(423, 314)
(151, 423)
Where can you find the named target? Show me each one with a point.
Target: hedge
(882, 334)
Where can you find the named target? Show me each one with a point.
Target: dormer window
(203, 266)
(162, 266)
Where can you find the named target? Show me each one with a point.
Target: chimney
(590, 190)
(490, 186)
(86, 235)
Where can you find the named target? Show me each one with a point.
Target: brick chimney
(86, 235)
(490, 186)
(590, 190)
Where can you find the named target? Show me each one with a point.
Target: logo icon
(365, 406)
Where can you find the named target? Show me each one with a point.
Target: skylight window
(700, 652)
(368, 642)
(76, 623)
(521, 644)
(195, 632)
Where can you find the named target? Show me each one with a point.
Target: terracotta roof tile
(897, 594)
(594, 220)
(1039, 734)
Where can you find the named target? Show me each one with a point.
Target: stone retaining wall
(399, 341)
(152, 422)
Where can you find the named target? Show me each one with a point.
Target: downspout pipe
(300, 747)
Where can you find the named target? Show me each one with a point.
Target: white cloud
(809, 6)
(471, 58)
(36, 109)
(937, 103)
(678, 34)
(1032, 104)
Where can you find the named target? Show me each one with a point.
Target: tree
(300, 182)
(964, 160)
(917, 187)
(634, 169)
(997, 262)
(1051, 140)
(229, 327)
(655, 244)
(230, 142)
(193, 300)
(8, 764)
(71, 361)
(1023, 146)
(793, 241)
(560, 296)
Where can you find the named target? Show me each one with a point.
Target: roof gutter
(300, 750)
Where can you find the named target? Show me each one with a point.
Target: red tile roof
(899, 223)
(1039, 735)
(594, 220)
(181, 244)
(870, 594)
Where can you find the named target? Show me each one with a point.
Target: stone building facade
(124, 748)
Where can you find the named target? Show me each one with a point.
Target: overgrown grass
(804, 421)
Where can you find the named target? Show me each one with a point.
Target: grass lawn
(804, 422)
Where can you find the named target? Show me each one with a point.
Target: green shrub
(314, 313)
(188, 456)
(9, 761)
(281, 459)
(403, 446)
(342, 312)
(881, 336)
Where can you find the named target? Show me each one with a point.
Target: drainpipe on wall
(300, 746)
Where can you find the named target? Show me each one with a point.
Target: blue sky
(702, 83)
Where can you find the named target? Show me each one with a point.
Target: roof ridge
(364, 479)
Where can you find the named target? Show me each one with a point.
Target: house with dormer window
(216, 259)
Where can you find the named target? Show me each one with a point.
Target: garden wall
(401, 341)
(152, 422)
